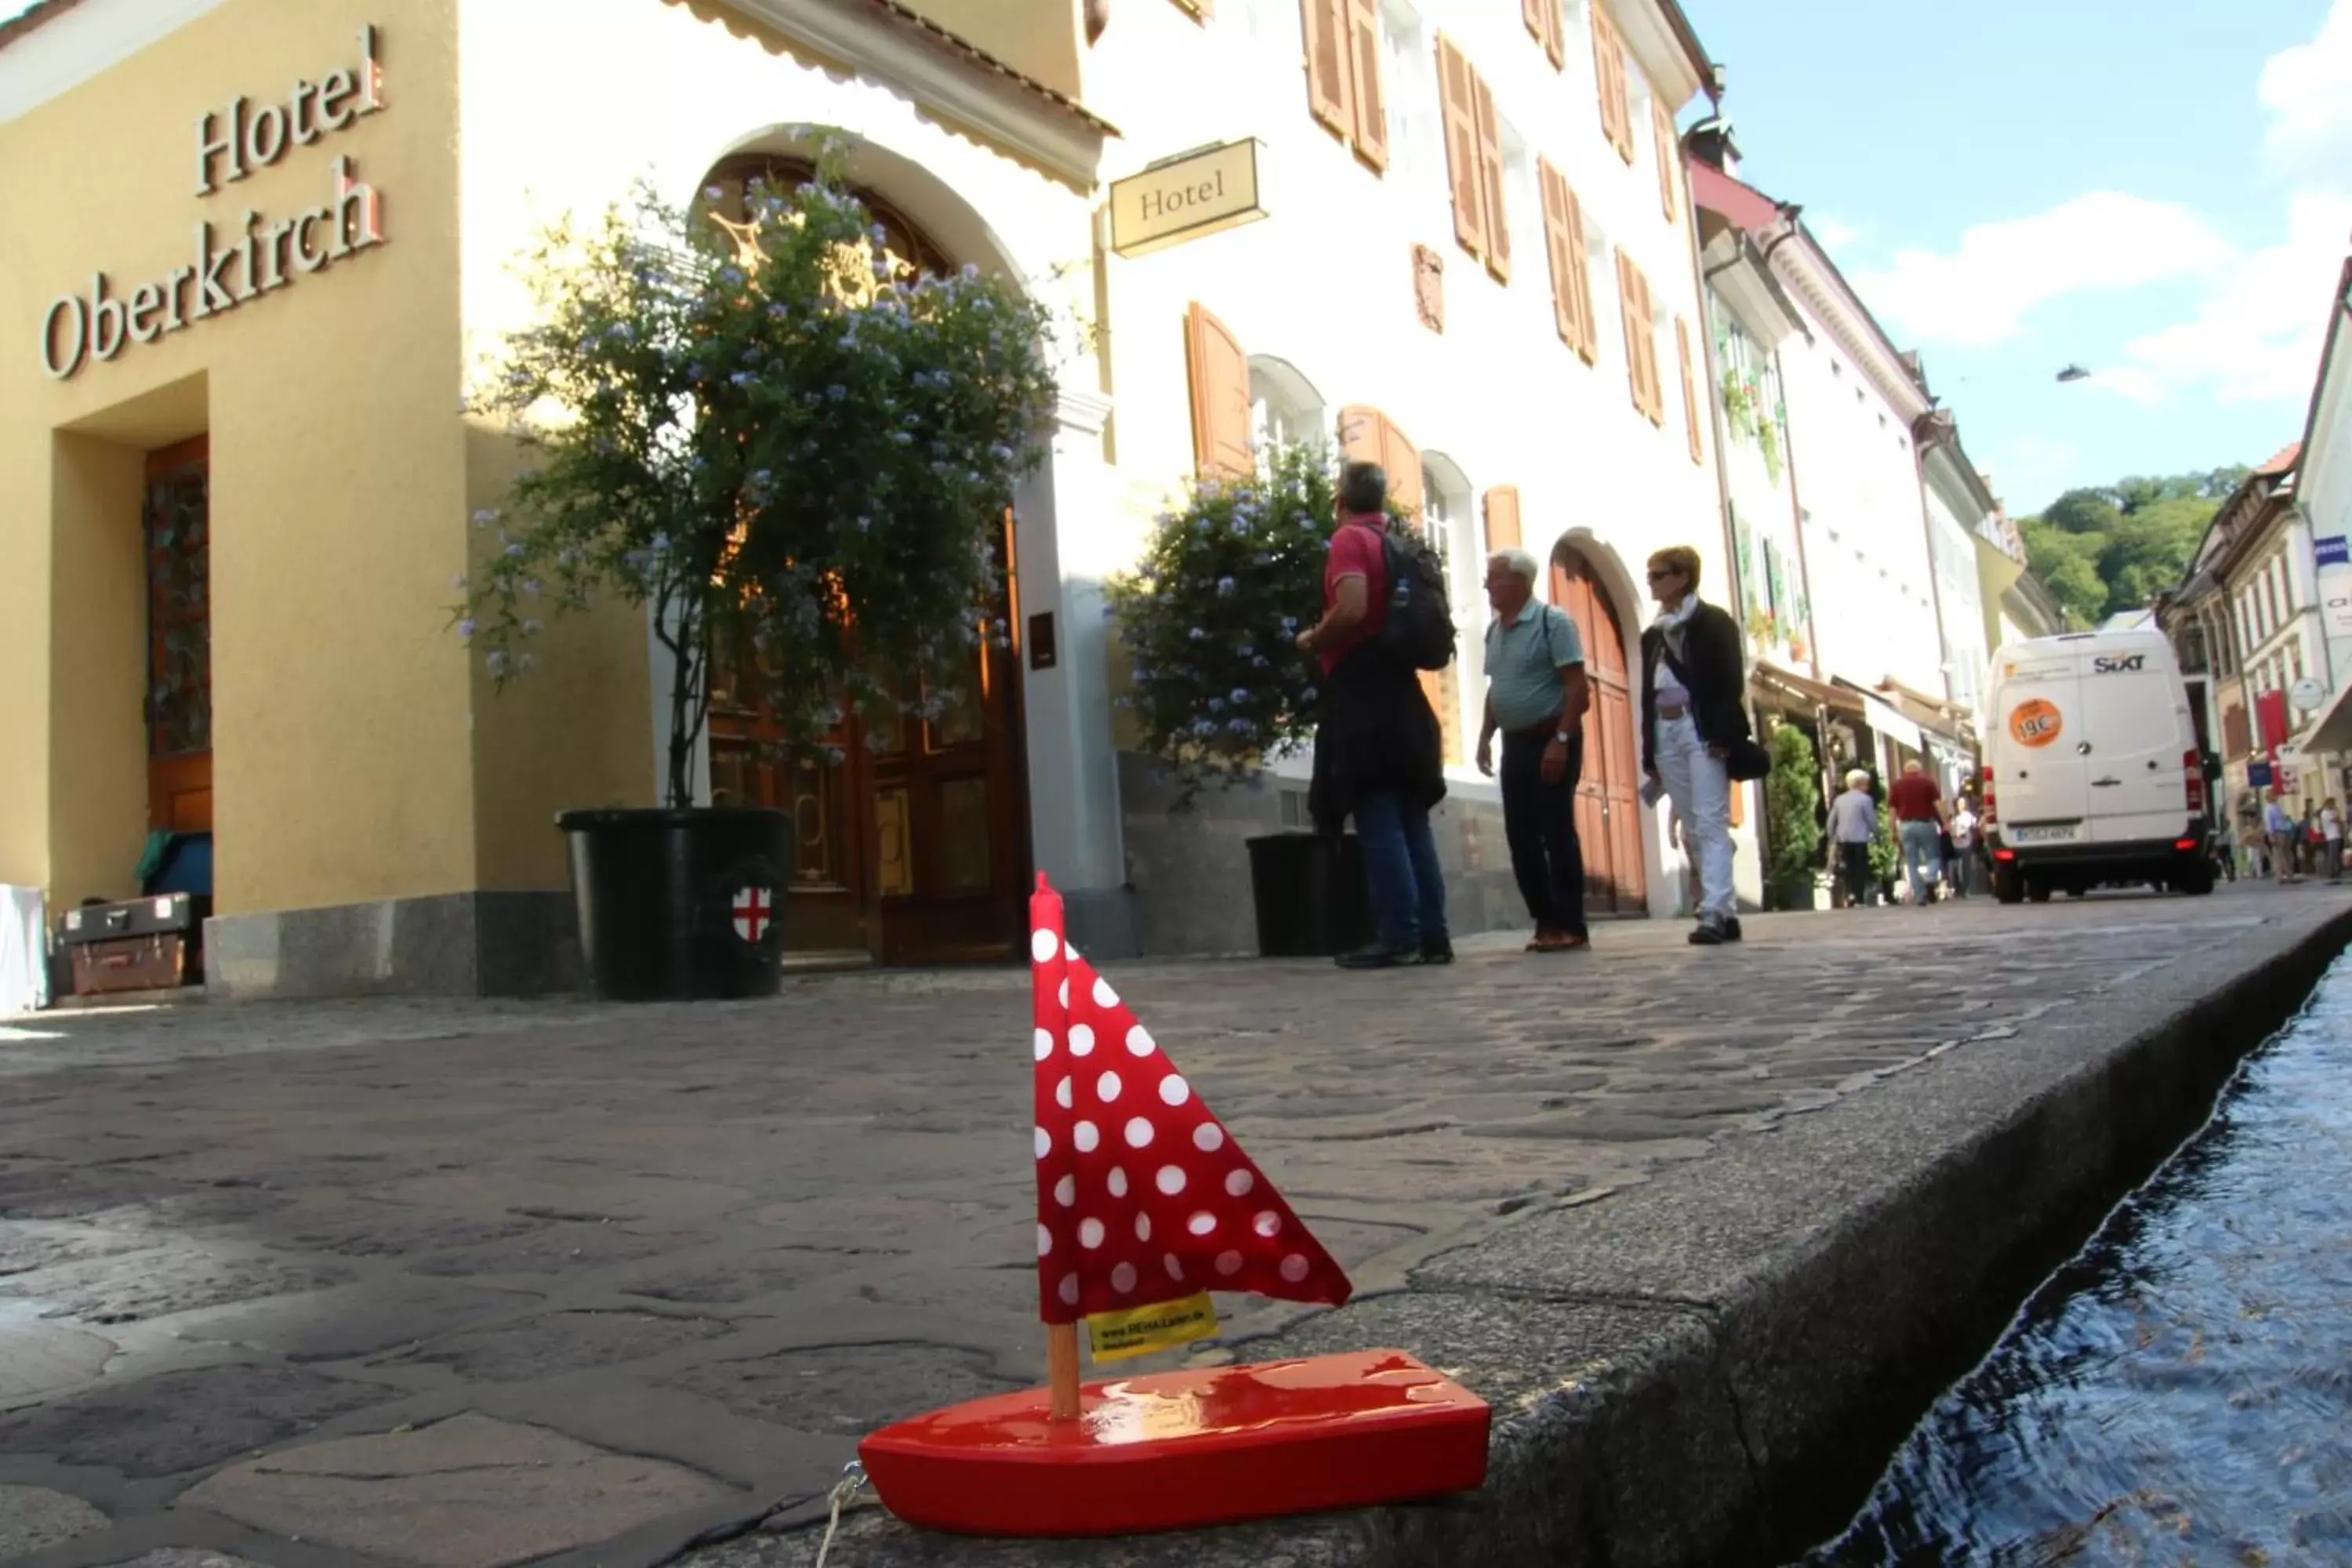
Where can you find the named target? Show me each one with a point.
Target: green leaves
(770, 433)
(2105, 549)
(1792, 792)
(1209, 618)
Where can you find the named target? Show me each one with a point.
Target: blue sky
(2160, 190)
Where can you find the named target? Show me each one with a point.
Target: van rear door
(2136, 719)
(2040, 783)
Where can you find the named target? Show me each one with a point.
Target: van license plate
(2042, 833)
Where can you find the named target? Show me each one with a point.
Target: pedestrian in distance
(1963, 862)
(1377, 757)
(2331, 835)
(1536, 696)
(2280, 824)
(1693, 677)
(1919, 817)
(1853, 819)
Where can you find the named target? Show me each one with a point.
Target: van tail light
(1992, 807)
(2193, 764)
(2005, 854)
(2184, 845)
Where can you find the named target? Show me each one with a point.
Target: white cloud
(2133, 384)
(2307, 92)
(1835, 233)
(2257, 337)
(1979, 293)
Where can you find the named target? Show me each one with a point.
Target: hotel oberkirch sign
(257, 258)
(1184, 197)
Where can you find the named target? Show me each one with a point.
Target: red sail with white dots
(1142, 1195)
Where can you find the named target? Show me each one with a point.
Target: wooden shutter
(1609, 78)
(1329, 78)
(1455, 101)
(1662, 128)
(1531, 12)
(1542, 18)
(1581, 272)
(1625, 302)
(1554, 191)
(1371, 101)
(1690, 388)
(1490, 179)
(1657, 407)
(1502, 518)
(1221, 397)
(1402, 458)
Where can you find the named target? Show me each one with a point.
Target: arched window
(1449, 518)
(1285, 405)
(734, 179)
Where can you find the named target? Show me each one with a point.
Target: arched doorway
(914, 847)
(1608, 799)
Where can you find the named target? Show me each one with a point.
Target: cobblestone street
(459, 1283)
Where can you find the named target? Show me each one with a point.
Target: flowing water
(2181, 1390)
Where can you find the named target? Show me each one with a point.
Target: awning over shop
(2333, 732)
(1802, 691)
(1882, 717)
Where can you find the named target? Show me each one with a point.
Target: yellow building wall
(342, 763)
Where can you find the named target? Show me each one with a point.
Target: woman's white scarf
(1672, 622)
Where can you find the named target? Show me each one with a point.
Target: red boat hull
(1174, 1451)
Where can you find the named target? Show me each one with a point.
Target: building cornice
(942, 72)
(1815, 279)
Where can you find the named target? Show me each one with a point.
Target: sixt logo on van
(2106, 665)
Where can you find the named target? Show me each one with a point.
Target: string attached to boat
(844, 1493)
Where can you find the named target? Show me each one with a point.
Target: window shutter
(1325, 24)
(1461, 147)
(1221, 397)
(1690, 388)
(1555, 38)
(1402, 458)
(1580, 273)
(1609, 77)
(1554, 191)
(1490, 175)
(1625, 302)
(1502, 518)
(1371, 101)
(1662, 128)
(1649, 324)
(1359, 434)
(1531, 13)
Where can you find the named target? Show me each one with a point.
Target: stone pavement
(472, 1283)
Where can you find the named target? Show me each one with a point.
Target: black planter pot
(1795, 893)
(1311, 897)
(681, 906)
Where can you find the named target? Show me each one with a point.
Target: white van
(2092, 773)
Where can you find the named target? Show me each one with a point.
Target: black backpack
(1419, 631)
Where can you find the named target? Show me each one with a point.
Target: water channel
(2180, 1393)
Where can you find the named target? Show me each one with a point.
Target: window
(1542, 18)
(1669, 158)
(1640, 339)
(1284, 404)
(1414, 126)
(1473, 159)
(1572, 263)
(1609, 77)
(1344, 89)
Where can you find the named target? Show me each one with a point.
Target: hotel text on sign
(1185, 198)
(256, 256)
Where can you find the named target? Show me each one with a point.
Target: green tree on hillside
(2117, 546)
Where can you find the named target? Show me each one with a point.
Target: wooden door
(913, 846)
(1608, 801)
(177, 529)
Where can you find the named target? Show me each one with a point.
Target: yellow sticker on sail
(1138, 1331)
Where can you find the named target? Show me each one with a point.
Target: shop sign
(257, 257)
(1184, 197)
(2333, 556)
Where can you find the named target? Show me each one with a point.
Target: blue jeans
(1922, 858)
(1400, 863)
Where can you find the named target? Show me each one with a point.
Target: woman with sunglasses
(1694, 678)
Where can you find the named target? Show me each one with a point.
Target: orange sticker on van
(2034, 723)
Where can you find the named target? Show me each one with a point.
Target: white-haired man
(1536, 695)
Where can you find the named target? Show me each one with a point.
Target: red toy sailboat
(1146, 1203)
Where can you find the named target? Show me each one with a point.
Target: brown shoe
(1549, 940)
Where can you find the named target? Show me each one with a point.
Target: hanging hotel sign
(1184, 197)
(256, 257)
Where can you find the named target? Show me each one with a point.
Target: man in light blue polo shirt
(1536, 696)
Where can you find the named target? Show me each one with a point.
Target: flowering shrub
(1211, 617)
(776, 438)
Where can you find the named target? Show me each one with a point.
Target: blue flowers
(742, 378)
(836, 392)
(1197, 635)
(465, 628)
(1240, 695)
(1227, 587)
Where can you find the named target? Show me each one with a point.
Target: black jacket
(1375, 735)
(1716, 670)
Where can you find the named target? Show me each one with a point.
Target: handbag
(1743, 759)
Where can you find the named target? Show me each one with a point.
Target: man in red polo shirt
(1377, 757)
(1919, 818)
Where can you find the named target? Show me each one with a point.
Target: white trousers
(1702, 793)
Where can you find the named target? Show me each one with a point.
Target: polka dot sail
(1142, 1195)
